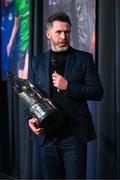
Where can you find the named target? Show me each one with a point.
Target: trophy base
(52, 122)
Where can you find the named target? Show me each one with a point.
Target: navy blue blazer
(83, 84)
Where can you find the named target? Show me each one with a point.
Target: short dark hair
(60, 16)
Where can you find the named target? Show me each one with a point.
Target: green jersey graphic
(22, 11)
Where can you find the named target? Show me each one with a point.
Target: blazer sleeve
(91, 87)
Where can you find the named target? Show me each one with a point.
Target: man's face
(59, 35)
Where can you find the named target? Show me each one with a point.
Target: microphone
(54, 65)
(53, 62)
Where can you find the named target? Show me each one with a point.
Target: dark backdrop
(17, 154)
(107, 116)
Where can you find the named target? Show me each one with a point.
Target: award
(49, 116)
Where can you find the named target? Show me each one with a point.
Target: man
(69, 77)
(21, 22)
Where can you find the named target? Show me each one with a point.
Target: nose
(63, 36)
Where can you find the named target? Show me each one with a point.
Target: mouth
(63, 43)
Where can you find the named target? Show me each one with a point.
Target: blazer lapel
(69, 64)
(46, 70)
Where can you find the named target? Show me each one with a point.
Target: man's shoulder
(81, 56)
(41, 56)
(80, 52)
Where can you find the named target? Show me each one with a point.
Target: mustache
(63, 41)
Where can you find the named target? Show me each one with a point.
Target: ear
(48, 34)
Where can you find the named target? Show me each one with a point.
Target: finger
(33, 120)
(33, 124)
(55, 74)
(54, 84)
(39, 131)
(35, 130)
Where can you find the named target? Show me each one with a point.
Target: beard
(58, 48)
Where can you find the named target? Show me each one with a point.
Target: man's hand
(59, 81)
(33, 124)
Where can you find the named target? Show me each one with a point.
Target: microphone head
(53, 60)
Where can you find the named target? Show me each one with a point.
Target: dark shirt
(58, 63)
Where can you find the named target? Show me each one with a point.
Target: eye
(67, 32)
(58, 32)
